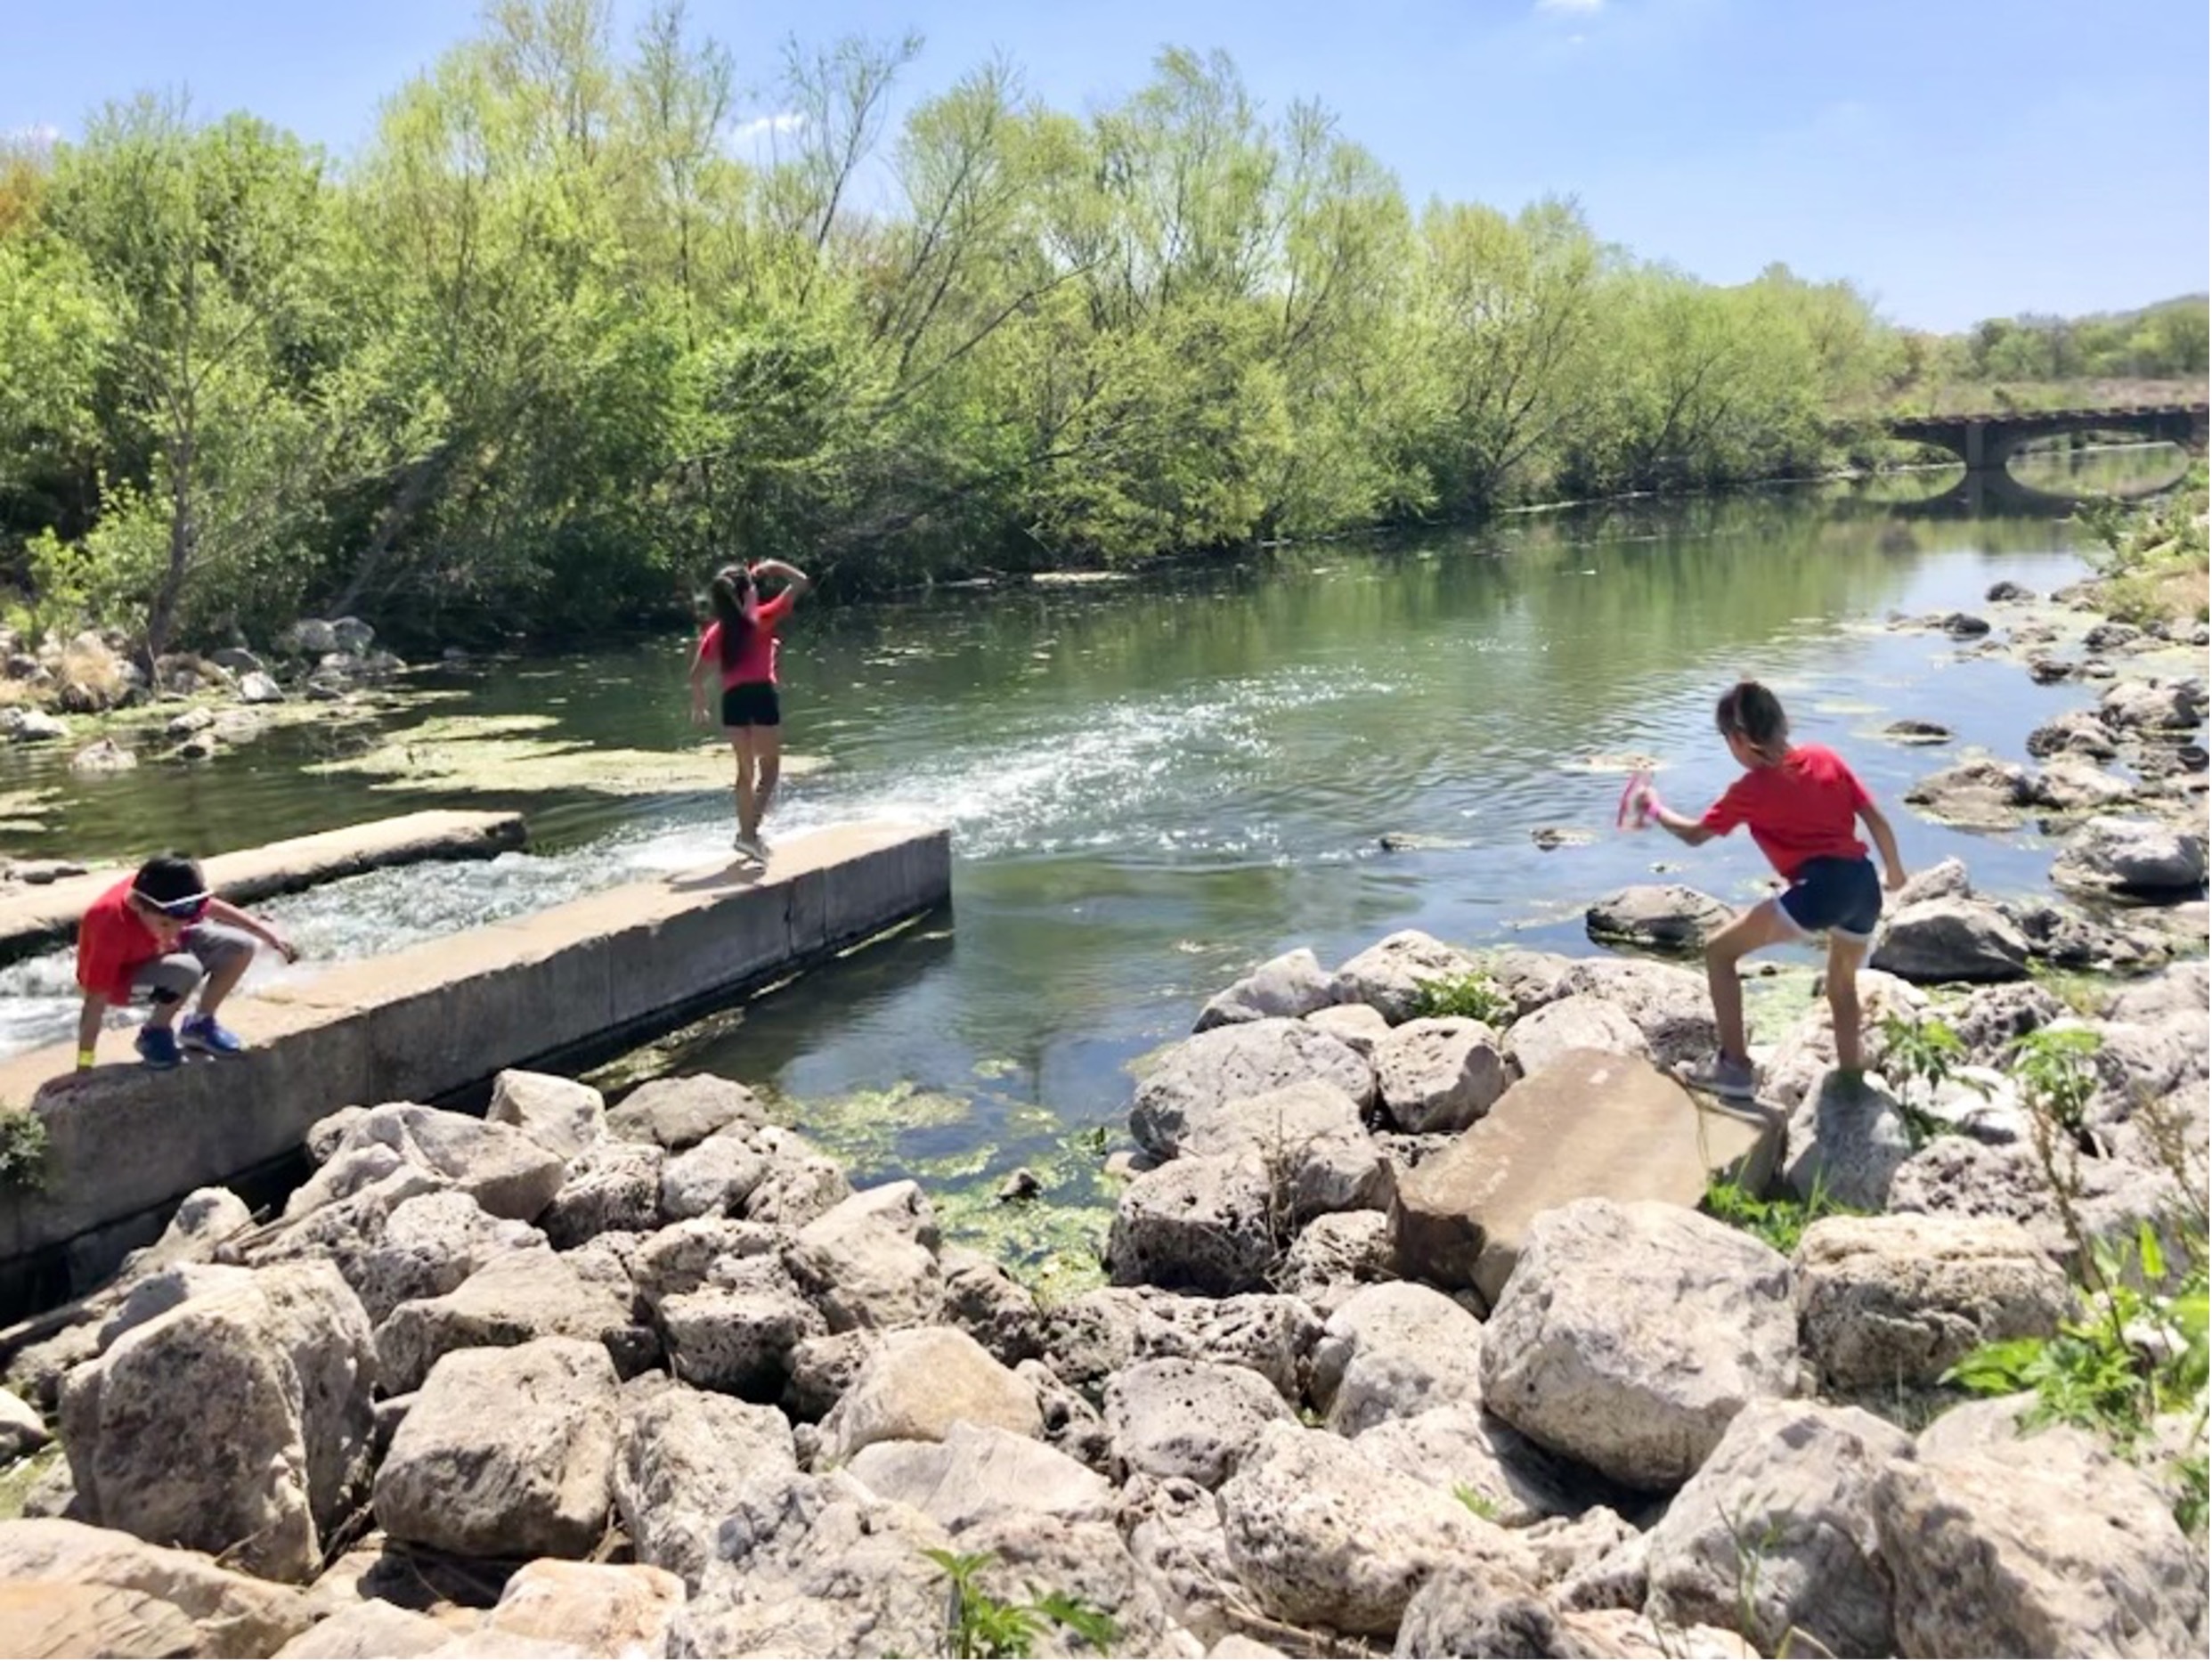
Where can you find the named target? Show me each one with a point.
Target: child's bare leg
(1845, 956)
(1761, 926)
(741, 746)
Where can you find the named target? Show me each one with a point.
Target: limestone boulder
(2137, 707)
(1630, 1334)
(819, 1566)
(367, 1630)
(2074, 784)
(70, 1589)
(1789, 1488)
(1245, 1059)
(1847, 1138)
(1806, 1053)
(980, 1471)
(1292, 985)
(1392, 974)
(1992, 1019)
(675, 1113)
(1980, 793)
(737, 1334)
(1335, 1256)
(1668, 1003)
(1896, 1301)
(204, 1221)
(509, 1175)
(711, 1179)
(21, 1429)
(1308, 1138)
(1209, 1225)
(1594, 1123)
(1951, 940)
(1393, 1351)
(802, 1183)
(1318, 1533)
(1458, 1446)
(429, 1245)
(1663, 916)
(602, 1610)
(238, 1422)
(989, 1305)
(1030, 1556)
(516, 1298)
(1439, 1073)
(508, 1453)
(2077, 733)
(156, 1295)
(2111, 855)
(1186, 1419)
(1270, 1333)
(1582, 1022)
(1086, 1337)
(1173, 1529)
(2068, 1551)
(1360, 1026)
(917, 1384)
(561, 1116)
(871, 1260)
(1959, 1177)
(685, 1459)
(1466, 1612)
(611, 1186)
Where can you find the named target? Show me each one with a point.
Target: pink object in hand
(1635, 811)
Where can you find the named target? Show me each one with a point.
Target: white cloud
(38, 133)
(750, 133)
(1581, 8)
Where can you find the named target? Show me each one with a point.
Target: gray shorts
(201, 950)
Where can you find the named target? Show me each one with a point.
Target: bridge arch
(1986, 442)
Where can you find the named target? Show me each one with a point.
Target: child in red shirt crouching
(1800, 802)
(156, 938)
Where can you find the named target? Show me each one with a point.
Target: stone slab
(45, 916)
(1590, 1124)
(438, 1019)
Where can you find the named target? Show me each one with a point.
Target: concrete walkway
(46, 915)
(126, 1144)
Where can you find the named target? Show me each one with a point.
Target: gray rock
(2079, 733)
(2153, 707)
(507, 1453)
(989, 1305)
(1847, 1138)
(1439, 1073)
(1307, 1137)
(1462, 1611)
(171, 1603)
(737, 1336)
(919, 1382)
(509, 1175)
(21, 1429)
(1177, 1418)
(1629, 1336)
(1670, 1005)
(1581, 1022)
(559, 1115)
(1336, 1255)
(1292, 985)
(371, 1629)
(1457, 1446)
(611, 1187)
(1980, 793)
(429, 1245)
(2074, 784)
(685, 1460)
(979, 1472)
(1993, 1019)
(1664, 917)
(1359, 1026)
(713, 1178)
(802, 1183)
(1209, 1225)
(1951, 940)
(1390, 975)
(517, 1298)
(2108, 855)
(264, 1388)
(871, 1260)
(1393, 1351)
(1885, 1303)
(1913, 732)
(1956, 1176)
(1266, 1333)
(678, 1113)
(1228, 1063)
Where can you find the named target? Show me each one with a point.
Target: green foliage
(1472, 995)
(1782, 1222)
(567, 331)
(979, 1626)
(1476, 1501)
(1920, 1052)
(2056, 1075)
(23, 1147)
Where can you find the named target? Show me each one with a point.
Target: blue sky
(1956, 158)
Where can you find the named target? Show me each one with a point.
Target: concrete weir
(46, 915)
(126, 1144)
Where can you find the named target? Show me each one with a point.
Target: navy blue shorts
(1843, 897)
(751, 703)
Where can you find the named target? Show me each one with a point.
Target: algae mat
(516, 754)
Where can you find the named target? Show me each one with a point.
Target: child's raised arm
(1690, 831)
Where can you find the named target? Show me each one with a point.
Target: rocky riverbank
(573, 1379)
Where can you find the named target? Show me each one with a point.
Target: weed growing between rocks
(1472, 995)
(979, 1626)
(1920, 1052)
(1781, 1222)
(22, 1149)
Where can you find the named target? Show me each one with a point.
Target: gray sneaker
(1725, 1076)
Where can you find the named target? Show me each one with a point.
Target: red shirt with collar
(112, 945)
(1802, 808)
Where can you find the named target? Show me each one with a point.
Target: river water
(1154, 785)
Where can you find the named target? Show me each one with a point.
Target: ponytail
(734, 610)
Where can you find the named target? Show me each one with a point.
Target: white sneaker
(752, 848)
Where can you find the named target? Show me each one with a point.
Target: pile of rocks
(656, 1381)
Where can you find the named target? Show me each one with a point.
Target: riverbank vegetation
(2152, 566)
(577, 321)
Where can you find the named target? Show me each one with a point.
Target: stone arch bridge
(1986, 442)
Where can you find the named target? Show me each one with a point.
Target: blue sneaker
(158, 1048)
(203, 1032)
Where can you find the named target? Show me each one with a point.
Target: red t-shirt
(757, 662)
(1802, 808)
(112, 946)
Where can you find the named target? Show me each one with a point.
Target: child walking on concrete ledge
(1800, 802)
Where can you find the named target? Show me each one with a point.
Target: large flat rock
(46, 915)
(1591, 1124)
(428, 1022)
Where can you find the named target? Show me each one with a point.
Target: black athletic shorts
(751, 703)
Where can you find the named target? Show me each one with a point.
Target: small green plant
(2057, 1076)
(1090, 1141)
(1921, 1054)
(1780, 1223)
(979, 1626)
(22, 1149)
(1476, 1501)
(1472, 995)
